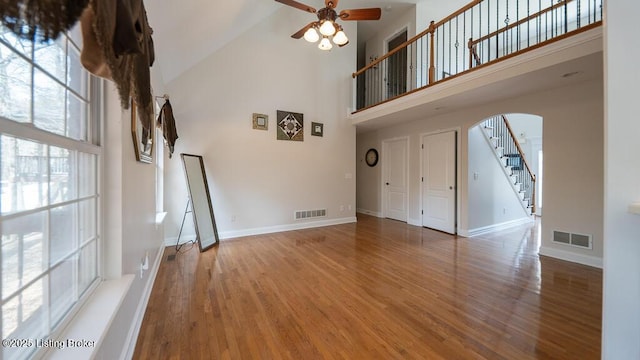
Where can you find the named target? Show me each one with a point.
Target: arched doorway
(502, 149)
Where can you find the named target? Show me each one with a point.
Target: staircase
(507, 149)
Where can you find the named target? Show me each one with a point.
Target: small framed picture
(260, 121)
(316, 129)
(142, 139)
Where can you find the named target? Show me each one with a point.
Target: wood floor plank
(377, 289)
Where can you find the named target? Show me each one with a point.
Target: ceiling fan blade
(298, 5)
(361, 14)
(331, 3)
(301, 32)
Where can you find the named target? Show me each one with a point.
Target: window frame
(91, 144)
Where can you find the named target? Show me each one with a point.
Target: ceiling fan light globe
(340, 38)
(311, 35)
(327, 28)
(325, 44)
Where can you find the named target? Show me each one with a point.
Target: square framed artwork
(260, 121)
(317, 129)
(290, 126)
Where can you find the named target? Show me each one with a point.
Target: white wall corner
(571, 256)
(369, 212)
(463, 232)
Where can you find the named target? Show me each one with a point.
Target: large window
(49, 205)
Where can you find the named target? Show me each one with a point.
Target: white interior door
(395, 165)
(439, 181)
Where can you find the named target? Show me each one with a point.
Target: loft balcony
(488, 50)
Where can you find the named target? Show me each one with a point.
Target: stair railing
(483, 31)
(514, 156)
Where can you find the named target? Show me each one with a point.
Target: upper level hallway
(483, 52)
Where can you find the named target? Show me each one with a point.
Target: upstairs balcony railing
(480, 33)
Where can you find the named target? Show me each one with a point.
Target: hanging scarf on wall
(118, 46)
(40, 20)
(167, 123)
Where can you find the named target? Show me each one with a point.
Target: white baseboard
(572, 257)
(266, 230)
(288, 227)
(134, 331)
(495, 227)
(369, 212)
(414, 222)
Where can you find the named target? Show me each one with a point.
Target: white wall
(369, 178)
(573, 171)
(573, 165)
(528, 125)
(129, 223)
(491, 200)
(435, 10)
(621, 313)
(256, 181)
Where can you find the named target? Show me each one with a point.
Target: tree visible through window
(49, 202)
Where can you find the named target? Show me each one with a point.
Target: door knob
(450, 187)
(387, 183)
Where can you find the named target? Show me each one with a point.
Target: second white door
(439, 181)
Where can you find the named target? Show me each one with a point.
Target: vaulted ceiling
(188, 31)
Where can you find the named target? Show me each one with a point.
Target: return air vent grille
(308, 214)
(579, 240)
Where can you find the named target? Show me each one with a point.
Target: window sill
(635, 208)
(84, 335)
(160, 217)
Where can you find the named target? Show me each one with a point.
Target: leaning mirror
(201, 209)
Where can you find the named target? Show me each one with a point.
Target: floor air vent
(579, 240)
(307, 214)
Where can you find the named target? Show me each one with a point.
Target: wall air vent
(308, 214)
(578, 240)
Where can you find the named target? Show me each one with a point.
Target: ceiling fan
(326, 24)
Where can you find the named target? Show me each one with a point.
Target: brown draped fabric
(167, 123)
(118, 46)
(40, 20)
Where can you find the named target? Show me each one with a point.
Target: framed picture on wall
(290, 126)
(317, 129)
(260, 121)
(142, 139)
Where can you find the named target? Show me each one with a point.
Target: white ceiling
(188, 31)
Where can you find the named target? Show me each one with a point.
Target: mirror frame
(193, 207)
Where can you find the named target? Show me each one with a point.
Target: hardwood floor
(378, 289)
